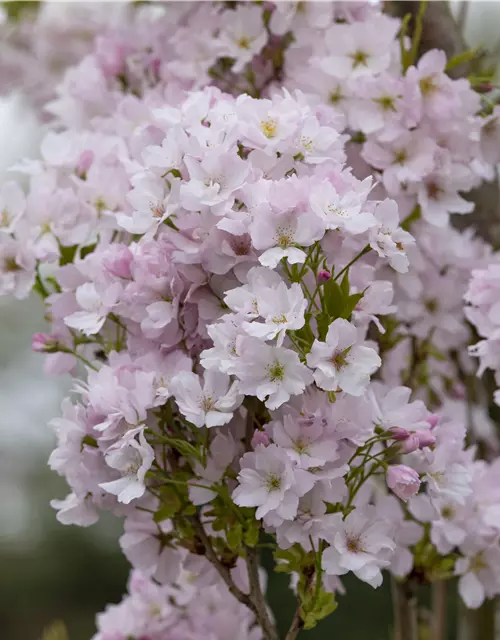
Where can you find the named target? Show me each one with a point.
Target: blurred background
(49, 572)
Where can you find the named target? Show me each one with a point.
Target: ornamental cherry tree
(240, 225)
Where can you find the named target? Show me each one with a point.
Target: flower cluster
(482, 312)
(240, 229)
(186, 608)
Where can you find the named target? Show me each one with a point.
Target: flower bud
(398, 433)
(44, 343)
(324, 276)
(403, 481)
(85, 162)
(260, 437)
(433, 420)
(410, 444)
(425, 439)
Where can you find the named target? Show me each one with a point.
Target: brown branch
(439, 610)
(296, 626)
(405, 605)
(257, 597)
(255, 601)
(212, 557)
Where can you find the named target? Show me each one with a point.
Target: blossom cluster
(239, 225)
(186, 608)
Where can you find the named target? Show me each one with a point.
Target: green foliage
(171, 503)
(461, 58)
(293, 559)
(338, 303)
(315, 607)
(17, 10)
(430, 565)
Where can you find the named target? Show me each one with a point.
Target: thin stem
(297, 622)
(83, 360)
(296, 625)
(363, 251)
(417, 32)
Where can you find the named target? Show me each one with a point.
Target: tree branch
(405, 606)
(257, 597)
(440, 29)
(255, 601)
(296, 626)
(223, 571)
(439, 610)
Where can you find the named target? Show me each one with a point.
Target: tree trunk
(405, 610)
(477, 624)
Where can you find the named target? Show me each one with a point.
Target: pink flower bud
(425, 439)
(44, 343)
(403, 481)
(398, 433)
(85, 162)
(433, 420)
(260, 437)
(411, 443)
(324, 276)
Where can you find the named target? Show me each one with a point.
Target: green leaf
(344, 285)
(461, 58)
(251, 535)
(170, 504)
(234, 536)
(184, 448)
(334, 299)
(350, 305)
(324, 605)
(323, 322)
(291, 559)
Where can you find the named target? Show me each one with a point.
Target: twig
(297, 622)
(296, 626)
(255, 600)
(223, 571)
(257, 597)
(439, 29)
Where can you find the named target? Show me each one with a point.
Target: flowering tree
(240, 226)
